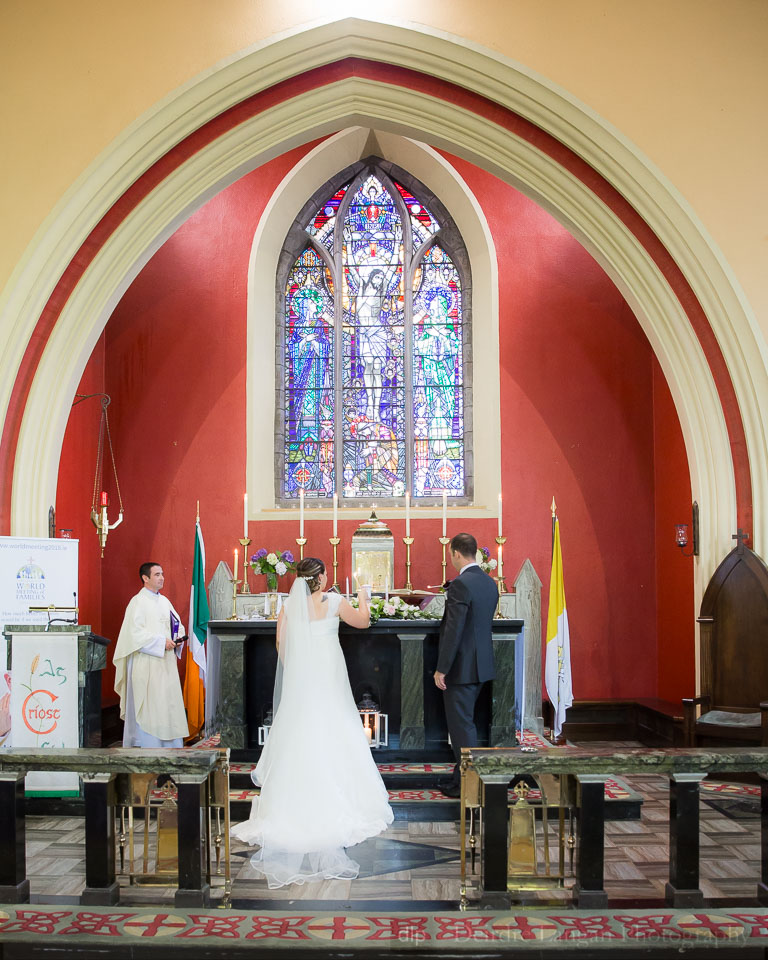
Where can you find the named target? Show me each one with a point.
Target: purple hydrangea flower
(260, 554)
(287, 556)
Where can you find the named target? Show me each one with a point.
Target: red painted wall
(175, 367)
(577, 424)
(674, 572)
(74, 491)
(582, 413)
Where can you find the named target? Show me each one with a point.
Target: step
(429, 803)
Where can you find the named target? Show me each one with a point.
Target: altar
(392, 660)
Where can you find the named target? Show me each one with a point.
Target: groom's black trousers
(459, 700)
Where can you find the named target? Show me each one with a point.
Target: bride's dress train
(320, 788)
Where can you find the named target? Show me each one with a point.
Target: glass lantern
(266, 726)
(375, 723)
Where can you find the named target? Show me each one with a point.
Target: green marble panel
(502, 732)
(93, 760)
(503, 763)
(412, 734)
(229, 716)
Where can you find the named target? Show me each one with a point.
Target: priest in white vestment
(146, 676)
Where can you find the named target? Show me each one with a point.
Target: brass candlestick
(300, 541)
(334, 542)
(500, 577)
(408, 585)
(445, 541)
(234, 599)
(245, 542)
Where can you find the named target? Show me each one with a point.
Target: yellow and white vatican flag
(557, 674)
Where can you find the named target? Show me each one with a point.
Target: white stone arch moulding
(407, 113)
(299, 184)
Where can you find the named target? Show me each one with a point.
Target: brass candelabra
(245, 542)
(408, 541)
(334, 542)
(234, 599)
(300, 542)
(500, 575)
(102, 524)
(444, 541)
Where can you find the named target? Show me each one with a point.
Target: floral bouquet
(273, 564)
(394, 609)
(484, 560)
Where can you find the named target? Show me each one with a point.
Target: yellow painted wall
(685, 80)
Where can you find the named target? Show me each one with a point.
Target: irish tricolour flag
(557, 675)
(199, 615)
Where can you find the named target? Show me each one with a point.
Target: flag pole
(554, 521)
(197, 520)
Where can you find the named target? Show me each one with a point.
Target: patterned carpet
(105, 931)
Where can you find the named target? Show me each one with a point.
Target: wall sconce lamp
(681, 533)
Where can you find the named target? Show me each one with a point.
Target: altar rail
(189, 768)
(686, 769)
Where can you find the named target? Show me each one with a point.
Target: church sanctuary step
(406, 774)
(429, 803)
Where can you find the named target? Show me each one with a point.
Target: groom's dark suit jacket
(465, 653)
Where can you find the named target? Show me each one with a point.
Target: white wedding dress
(320, 788)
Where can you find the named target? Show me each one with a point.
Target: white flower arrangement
(395, 608)
(484, 560)
(273, 565)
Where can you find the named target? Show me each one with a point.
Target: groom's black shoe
(448, 788)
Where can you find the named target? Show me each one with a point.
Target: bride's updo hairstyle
(310, 569)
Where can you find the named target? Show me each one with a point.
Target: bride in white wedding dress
(320, 788)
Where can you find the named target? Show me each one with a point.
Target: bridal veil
(320, 788)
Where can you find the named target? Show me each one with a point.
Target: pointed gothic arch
(484, 108)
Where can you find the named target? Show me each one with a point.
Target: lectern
(55, 693)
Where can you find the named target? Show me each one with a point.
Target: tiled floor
(419, 861)
(410, 861)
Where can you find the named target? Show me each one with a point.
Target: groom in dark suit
(465, 654)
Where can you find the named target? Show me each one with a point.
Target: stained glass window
(324, 221)
(310, 401)
(423, 224)
(438, 414)
(373, 347)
